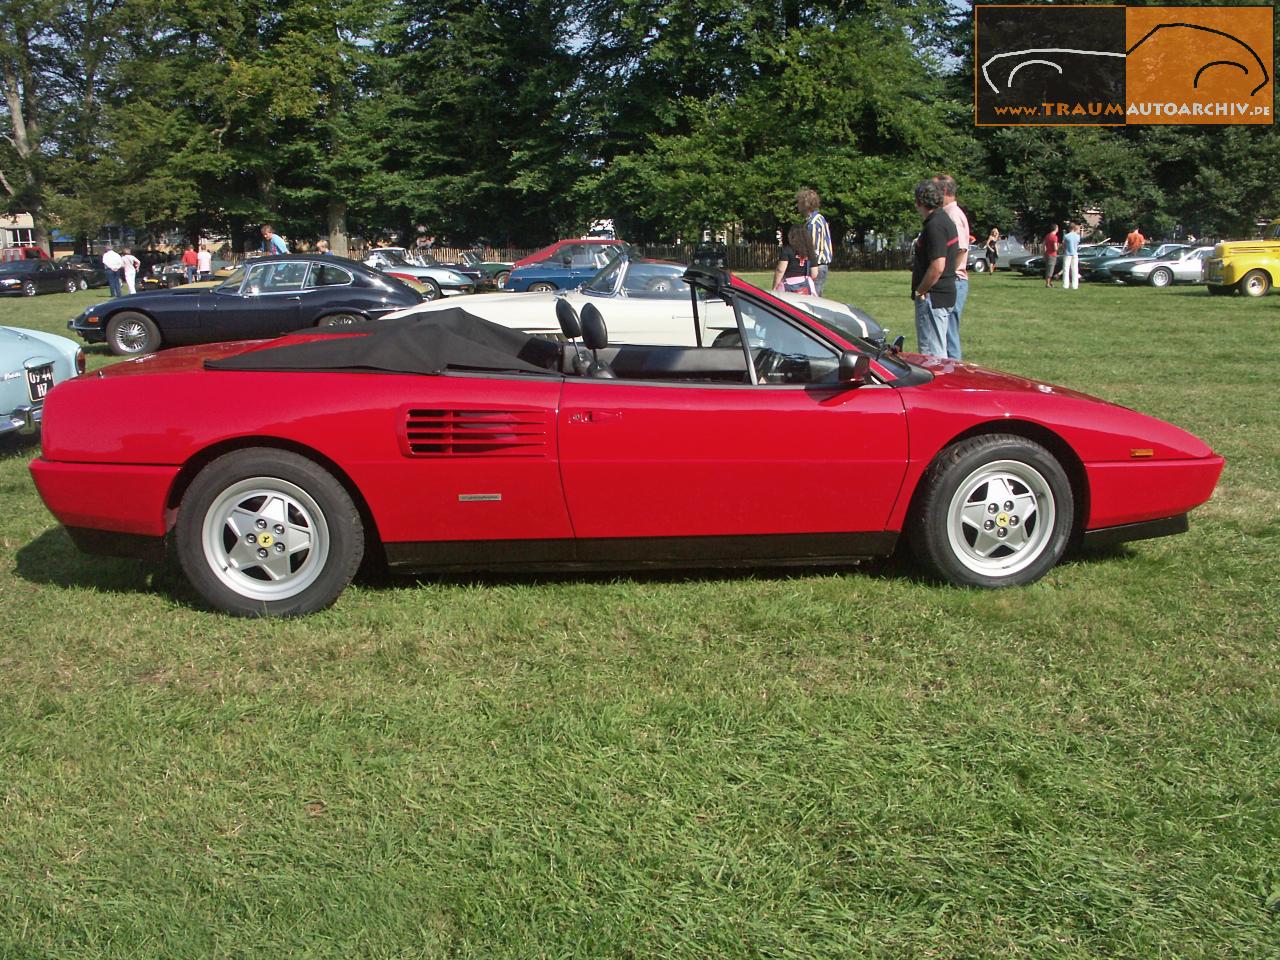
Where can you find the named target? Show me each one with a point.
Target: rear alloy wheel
(1160, 277)
(502, 278)
(432, 289)
(29, 288)
(1220, 290)
(996, 511)
(83, 284)
(72, 286)
(979, 266)
(339, 320)
(130, 333)
(542, 287)
(1255, 283)
(266, 532)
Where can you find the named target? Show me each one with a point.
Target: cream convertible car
(626, 292)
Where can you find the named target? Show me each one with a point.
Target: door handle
(595, 416)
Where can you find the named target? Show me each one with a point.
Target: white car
(439, 281)
(625, 292)
(1181, 267)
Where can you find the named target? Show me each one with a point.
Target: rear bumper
(23, 421)
(106, 497)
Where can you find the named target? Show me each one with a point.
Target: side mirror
(854, 367)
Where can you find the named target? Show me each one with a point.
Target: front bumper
(23, 421)
(89, 332)
(457, 290)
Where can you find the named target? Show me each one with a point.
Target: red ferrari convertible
(441, 441)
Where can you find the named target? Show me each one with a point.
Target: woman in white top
(130, 264)
(204, 262)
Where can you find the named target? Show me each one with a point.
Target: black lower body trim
(1148, 529)
(108, 544)
(740, 551)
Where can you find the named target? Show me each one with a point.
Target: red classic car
(441, 441)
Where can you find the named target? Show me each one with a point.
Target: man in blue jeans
(933, 270)
(961, 256)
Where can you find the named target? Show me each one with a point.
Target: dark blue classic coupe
(263, 298)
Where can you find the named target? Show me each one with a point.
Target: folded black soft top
(426, 343)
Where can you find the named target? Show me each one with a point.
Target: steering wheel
(770, 365)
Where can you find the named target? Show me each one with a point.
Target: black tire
(979, 266)
(340, 320)
(1255, 283)
(29, 288)
(1220, 290)
(1160, 277)
(957, 535)
(71, 286)
(83, 284)
(501, 278)
(432, 289)
(130, 333)
(542, 287)
(266, 501)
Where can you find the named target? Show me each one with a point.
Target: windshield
(603, 283)
(232, 283)
(470, 259)
(391, 257)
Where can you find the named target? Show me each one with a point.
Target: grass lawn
(846, 763)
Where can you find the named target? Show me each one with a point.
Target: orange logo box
(1060, 64)
(1199, 65)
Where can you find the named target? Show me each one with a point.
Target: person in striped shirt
(808, 202)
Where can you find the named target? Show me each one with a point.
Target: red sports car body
(269, 472)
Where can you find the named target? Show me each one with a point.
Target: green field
(849, 763)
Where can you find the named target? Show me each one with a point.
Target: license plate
(39, 382)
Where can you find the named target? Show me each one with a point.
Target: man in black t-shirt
(933, 270)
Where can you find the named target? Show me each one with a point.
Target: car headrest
(568, 318)
(594, 332)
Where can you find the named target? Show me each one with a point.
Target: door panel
(657, 460)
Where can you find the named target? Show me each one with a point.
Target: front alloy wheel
(72, 286)
(28, 288)
(265, 532)
(542, 287)
(431, 289)
(996, 511)
(1161, 277)
(340, 320)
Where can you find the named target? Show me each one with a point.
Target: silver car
(438, 281)
(1182, 266)
(31, 364)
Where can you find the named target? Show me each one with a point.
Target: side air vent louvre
(475, 433)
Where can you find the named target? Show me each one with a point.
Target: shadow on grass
(16, 447)
(51, 559)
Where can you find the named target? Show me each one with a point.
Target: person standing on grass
(112, 263)
(204, 262)
(992, 248)
(190, 262)
(961, 258)
(933, 274)
(1050, 255)
(1071, 257)
(792, 272)
(808, 202)
(130, 265)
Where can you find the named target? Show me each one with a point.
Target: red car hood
(958, 375)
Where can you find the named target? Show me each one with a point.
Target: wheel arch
(1072, 465)
(200, 460)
